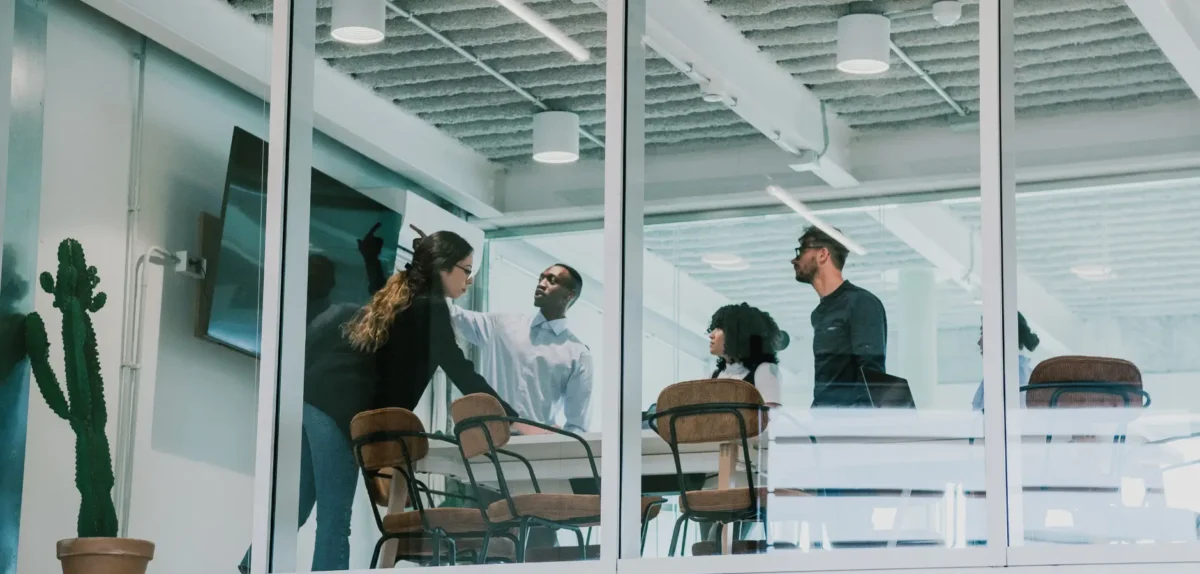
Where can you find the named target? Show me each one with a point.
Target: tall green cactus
(73, 289)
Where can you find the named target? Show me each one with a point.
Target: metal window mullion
(285, 270)
(998, 199)
(624, 161)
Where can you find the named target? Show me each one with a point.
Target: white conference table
(896, 475)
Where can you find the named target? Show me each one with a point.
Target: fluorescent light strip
(786, 198)
(547, 29)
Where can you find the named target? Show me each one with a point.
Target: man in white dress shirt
(535, 362)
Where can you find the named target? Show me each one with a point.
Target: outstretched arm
(448, 356)
(370, 247)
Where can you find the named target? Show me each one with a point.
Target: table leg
(726, 467)
(397, 500)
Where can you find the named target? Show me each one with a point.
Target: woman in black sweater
(406, 325)
(380, 355)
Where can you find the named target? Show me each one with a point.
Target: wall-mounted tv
(231, 307)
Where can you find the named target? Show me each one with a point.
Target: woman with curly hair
(746, 341)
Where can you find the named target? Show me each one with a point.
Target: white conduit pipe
(928, 80)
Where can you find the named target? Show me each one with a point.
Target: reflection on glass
(811, 348)
(1107, 281)
(435, 381)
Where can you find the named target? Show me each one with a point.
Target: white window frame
(280, 402)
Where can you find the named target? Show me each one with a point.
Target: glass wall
(1105, 284)
(768, 285)
(124, 146)
(853, 321)
(481, 358)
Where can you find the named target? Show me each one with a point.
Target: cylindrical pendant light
(864, 43)
(359, 21)
(555, 137)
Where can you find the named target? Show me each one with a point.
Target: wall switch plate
(186, 264)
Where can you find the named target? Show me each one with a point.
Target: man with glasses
(535, 362)
(849, 324)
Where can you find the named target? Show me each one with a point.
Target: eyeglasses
(466, 270)
(800, 250)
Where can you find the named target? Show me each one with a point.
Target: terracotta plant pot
(105, 555)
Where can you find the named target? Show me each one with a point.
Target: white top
(540, 367)
(766, 380)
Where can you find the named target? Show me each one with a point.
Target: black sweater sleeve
(449, 356)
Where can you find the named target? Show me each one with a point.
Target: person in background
(746, 341)
(536, 362)
(849, 324)
(406, 325)
(1026, 341)
(338, 383)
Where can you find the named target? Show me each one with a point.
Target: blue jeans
(328, 478)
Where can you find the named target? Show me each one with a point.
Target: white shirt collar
(559, 326)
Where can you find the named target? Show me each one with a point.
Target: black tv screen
(231, 312)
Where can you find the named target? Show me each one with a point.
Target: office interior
(976, 159)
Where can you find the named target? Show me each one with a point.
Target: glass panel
(1107, 281)
(844, 298)
(421, 149)
(22, 57)
(136, 166)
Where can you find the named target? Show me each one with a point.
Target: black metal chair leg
(483, 553)
(522, 540)
(582, 544)
(378, 549)
(437, 548)
(675, 534)
(686, 526)
(453, 546)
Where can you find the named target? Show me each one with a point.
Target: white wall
(194, 447)
(88, 119)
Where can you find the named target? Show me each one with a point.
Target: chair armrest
(552, 429)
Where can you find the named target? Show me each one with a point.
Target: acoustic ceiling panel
(1072, 55)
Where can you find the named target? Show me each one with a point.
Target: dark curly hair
(751, 336)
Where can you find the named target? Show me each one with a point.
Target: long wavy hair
(441, 251)
(751, 336)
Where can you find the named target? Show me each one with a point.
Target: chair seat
(730, 499)
(561, 554)
(562, 507)
(498, 548)
(452, 520)
(555, 507)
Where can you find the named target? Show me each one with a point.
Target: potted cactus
(97, 550)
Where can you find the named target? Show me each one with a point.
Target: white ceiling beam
(690, 33)
(1175, 26)
(933, 231)
(226, 42)
(1148, 143)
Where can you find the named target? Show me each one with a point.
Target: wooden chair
(482, 429)
(713, 411)
(387, 443)
(1079, 382)
(1074, 382)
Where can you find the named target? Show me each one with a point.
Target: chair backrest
(472, 440)
(388, 452)
(695, 426)
(1059, 373)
